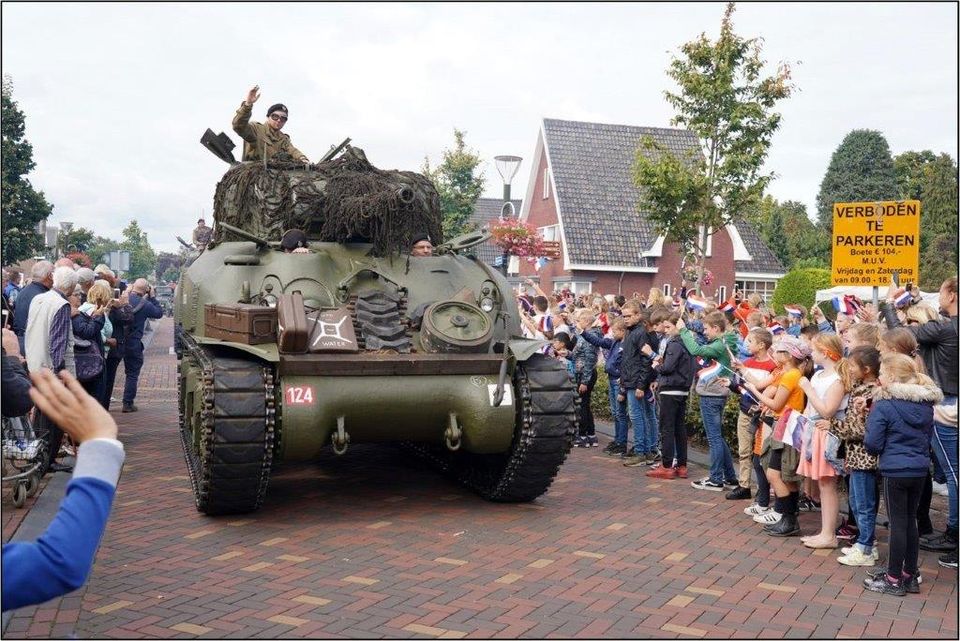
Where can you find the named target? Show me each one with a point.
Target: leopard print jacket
(852, 428)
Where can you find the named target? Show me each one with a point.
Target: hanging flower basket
(690, 271)
(516, 237)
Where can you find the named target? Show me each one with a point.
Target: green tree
(861, 169)
(22, 206)
(101, 245)
(799, 286)
(909, 167)
(725, 100)
(458, 184)
(78, 239)
(167, 261)
(143, 260)
(939, 222)
(793, 237)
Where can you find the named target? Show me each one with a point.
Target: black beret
(419, 237)
(292, 239)
(278, 107)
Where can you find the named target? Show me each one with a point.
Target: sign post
(874, 240)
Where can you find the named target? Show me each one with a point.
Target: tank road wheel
(545, 427)
(227, 429)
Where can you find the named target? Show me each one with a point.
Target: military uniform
(260, 139)
(201, 236)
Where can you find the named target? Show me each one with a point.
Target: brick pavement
(371, 545)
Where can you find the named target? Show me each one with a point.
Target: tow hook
(340, 439)
(453, 434)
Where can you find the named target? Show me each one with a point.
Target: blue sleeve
(153, 309)
(875, 437)
(597, 340)
(825, 327)
(794, 330)
(60, 560)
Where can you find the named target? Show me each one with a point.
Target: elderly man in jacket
(143, 307)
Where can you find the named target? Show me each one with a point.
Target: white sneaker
(755, 509)
(857, 558)
(769, 518)
(875, 553)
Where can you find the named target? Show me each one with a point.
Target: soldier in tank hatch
(263, 141)
(422, 245)
(201, 235)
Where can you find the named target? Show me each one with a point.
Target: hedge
(799, 287)
(600, 405)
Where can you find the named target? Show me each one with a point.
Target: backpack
(88, 360)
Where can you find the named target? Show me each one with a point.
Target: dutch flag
(709, 374)
(796, 312)
(903, 299)
(775, 328)
(843, 305)
(727, 307)
(696, 305)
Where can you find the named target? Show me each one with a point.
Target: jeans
(651, 422)
(584, 412)
(763, 485)
(673, 411)
(94, 387)
(638, 417)
(903, 495)
(109, 378)
(132, 363)
(863, 503)
(721, 462)
(619, 412)
(944, 443)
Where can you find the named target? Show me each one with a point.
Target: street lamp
(65, 228)
(507, 167)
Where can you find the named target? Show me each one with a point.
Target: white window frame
(578, 287)
(757, 286)
(546, 183)
(550, 232)
(667, 290)
(709, 251)
(721, 294)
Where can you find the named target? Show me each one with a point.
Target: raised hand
(65, 402)
(253, 95)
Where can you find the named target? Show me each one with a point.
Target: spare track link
(380, 321)
(231, 471)
(546, 426)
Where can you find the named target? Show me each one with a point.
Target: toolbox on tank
(240, 323)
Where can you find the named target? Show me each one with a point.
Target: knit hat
(278, 107)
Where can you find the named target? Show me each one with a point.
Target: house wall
(543, 212)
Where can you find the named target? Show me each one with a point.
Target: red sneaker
(682, 471)
(663, 473)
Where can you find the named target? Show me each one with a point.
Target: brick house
(581, 193)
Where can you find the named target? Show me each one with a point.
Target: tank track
(380, 321)
(231, 471)
(546, 426)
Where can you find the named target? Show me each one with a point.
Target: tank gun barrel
(244, 234)
(335, 150)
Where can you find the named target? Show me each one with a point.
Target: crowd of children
(857, 404)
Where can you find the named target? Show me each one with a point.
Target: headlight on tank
(486, 304)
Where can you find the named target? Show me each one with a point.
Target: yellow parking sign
(872, 240)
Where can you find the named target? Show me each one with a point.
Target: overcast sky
(117, 95)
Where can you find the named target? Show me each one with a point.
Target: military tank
(350, 340)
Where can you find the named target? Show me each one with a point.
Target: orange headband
(832, 355)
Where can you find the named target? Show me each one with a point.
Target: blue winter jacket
(899, 428)
(611, 364)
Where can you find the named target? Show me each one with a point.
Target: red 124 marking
(297, 395)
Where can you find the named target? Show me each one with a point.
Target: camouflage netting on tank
(342, 200)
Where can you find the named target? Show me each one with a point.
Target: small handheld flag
(793, 311)
(727, 307)
(709, 374)
(904, 299)
(775, 328)
(696, 305)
